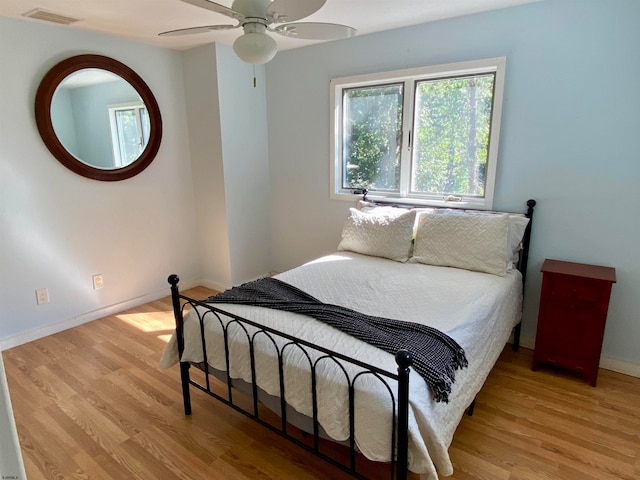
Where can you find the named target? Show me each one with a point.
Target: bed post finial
(403, 359)
(173, 280)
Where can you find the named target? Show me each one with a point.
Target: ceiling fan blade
(315, 31)
(194, 30)
(291, 10)
(216, 7)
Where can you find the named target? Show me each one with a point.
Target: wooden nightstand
(573, 311)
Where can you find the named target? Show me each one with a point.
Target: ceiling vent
(39, 14)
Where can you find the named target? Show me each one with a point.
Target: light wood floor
(90, 402)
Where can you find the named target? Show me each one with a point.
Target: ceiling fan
(256, 17)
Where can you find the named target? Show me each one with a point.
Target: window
(426, 135)
(129, 132)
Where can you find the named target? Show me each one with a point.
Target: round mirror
(98, 118)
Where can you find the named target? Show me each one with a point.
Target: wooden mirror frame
(44, 95)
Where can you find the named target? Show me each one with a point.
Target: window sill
(470, 204)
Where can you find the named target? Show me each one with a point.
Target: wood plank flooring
(90, 402)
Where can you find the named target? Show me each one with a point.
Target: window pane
(128, 136)
(372, 136)
(451, 139)
(146, 125)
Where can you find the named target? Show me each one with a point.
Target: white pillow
(517, 225)
(470, 242)
(378, 235)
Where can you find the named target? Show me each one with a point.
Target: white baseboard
(608, 363)
(50, 329)
(620, 366)
(218, 287)
(527, 342)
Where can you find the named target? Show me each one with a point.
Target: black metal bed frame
(314, 355)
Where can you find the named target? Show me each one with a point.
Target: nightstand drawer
(570, 311)
(574, 289)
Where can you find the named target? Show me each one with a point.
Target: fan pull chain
(254, 76)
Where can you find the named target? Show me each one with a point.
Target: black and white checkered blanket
(436, 356)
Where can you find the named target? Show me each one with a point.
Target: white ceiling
(142, 20)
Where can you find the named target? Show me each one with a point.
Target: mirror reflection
(100, 119)
(104, 122)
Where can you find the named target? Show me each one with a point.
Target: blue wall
(569, 136)
(57, 228)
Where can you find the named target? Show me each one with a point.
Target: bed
(458, 272)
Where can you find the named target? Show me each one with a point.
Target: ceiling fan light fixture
(255, 48)
(256, 17)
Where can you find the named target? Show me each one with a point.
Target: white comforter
(478, 310)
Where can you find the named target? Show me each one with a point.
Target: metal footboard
(396, 385)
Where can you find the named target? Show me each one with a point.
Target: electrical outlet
(98, 281)
(42, 296)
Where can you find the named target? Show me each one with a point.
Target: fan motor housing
(251, 8)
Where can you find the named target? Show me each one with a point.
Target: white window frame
(115, 139)
(496, 66)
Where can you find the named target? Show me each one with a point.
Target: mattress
(478, 310)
